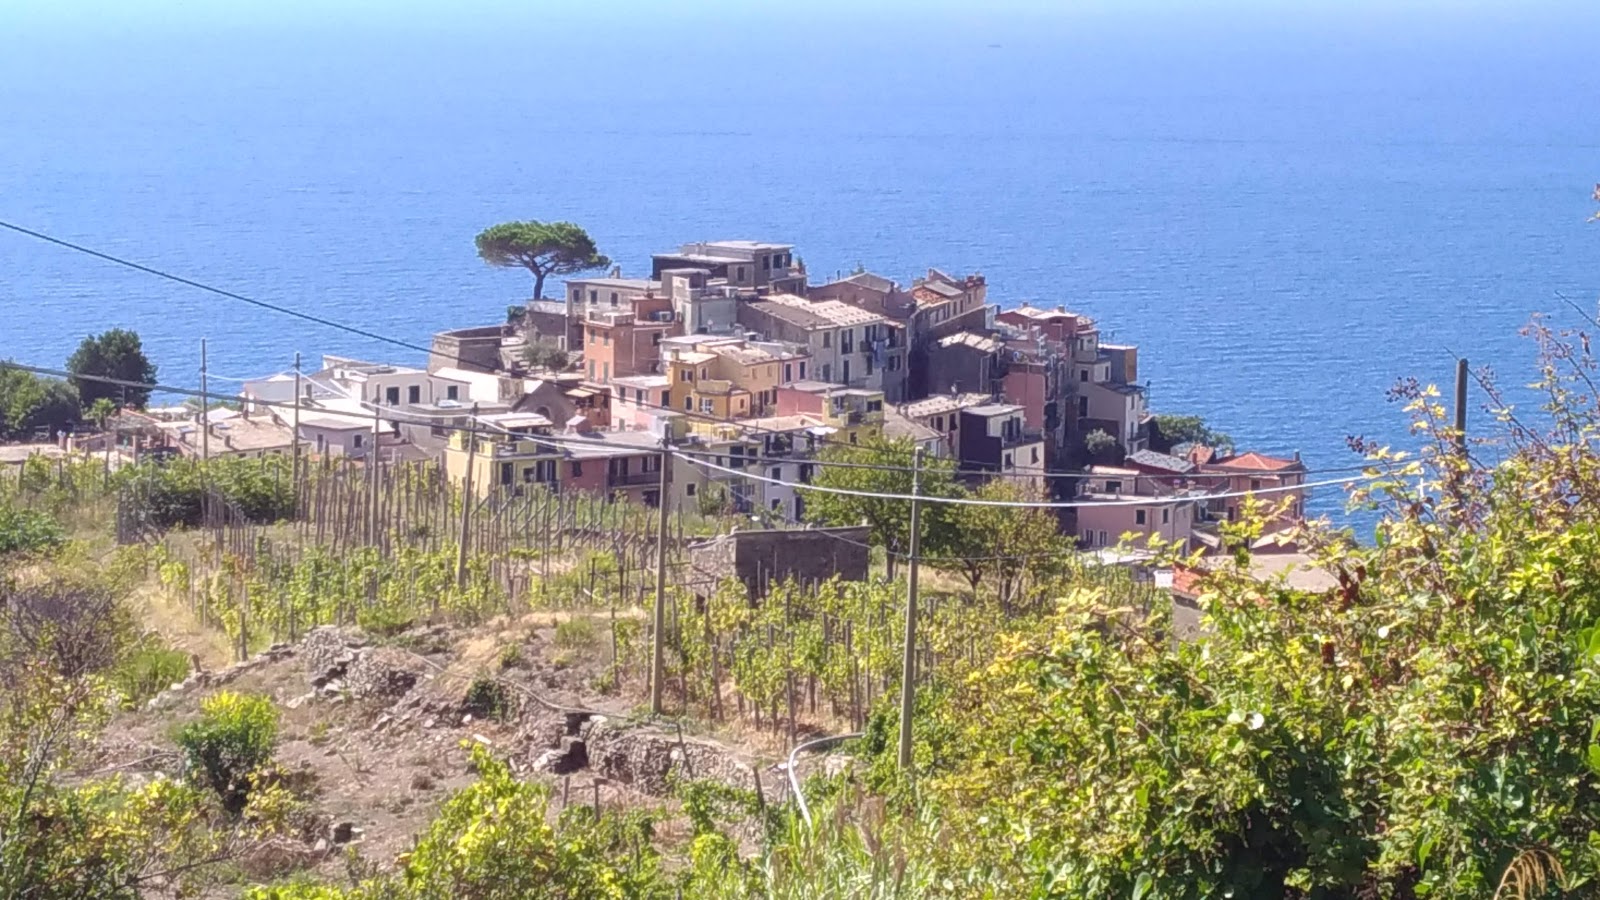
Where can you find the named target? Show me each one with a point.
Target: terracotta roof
(1256, 462)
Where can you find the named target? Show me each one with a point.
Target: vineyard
(263, 556)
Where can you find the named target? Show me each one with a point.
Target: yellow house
(507, 457)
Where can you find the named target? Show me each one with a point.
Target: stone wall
(759, 558)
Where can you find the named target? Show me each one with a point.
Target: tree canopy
(880, 465)
(1168, 431)
(118, 354)
(31, 403)
(543, 248)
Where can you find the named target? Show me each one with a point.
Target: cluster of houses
(727, 352)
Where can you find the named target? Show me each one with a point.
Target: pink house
(1252, 471)
(1136, 503)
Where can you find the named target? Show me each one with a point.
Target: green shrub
(487, 699)
(510, 656)
(147, 670)
(233, 738)
(575, 633)
(29, 531)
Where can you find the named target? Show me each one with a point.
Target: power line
(1025, 504)
(189, 282)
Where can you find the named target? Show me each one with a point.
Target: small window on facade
(605, 371)
(1113, 486)
(594, 296)
(1036, 455)
(1138, 517)
(392, 396)
(359, 438)
(705, 372)
(827, 339)
(874, 406)
(705, 404)
(414, 394)
(688, 489)
(738, 273)
(1103, 539)
(688, 404)
(656, 338)
(1166, 515)
(1083, 407)
(1009, 463)
(805, 473)
(591, 370)
(638, 396)
(1255, 484)
(577, 469)
(802, 371)
(613, 298)
(938, 423)
(1083, 374)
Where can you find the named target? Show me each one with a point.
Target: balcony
(633, 479)
(1021, 439)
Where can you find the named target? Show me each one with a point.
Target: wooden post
(466, 504)
(908, 662)
(659, 619)
(372, 477)
(1461, 406)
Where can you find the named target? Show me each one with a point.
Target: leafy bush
(172, 494)
(234, 737)
(147, 670)
(576, 633)
(29, 531)
(487, 699)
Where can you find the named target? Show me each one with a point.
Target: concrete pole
(467, 500)
(659, 614)
(205, 407)
(295, 446)
(908, 663)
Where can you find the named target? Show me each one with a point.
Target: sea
(1288, 207)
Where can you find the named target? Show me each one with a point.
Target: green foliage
(117, 354)
(576, 633)
(1101, 447)
(147, 670)
(28, 531)
(234, 738)
(541, 354)
(543, 248)
(171, 494)
(101, 411)
(487, 698)
(888, 521)
(30, 403)
(1168, 431)
(1005, 545)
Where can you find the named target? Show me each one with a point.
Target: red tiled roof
(1258, 461)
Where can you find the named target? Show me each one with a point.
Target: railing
(633, 479)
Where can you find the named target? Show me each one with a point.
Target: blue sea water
(1288, 209)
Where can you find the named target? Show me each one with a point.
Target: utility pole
(908, 664)
(294, 475)
(205, 408)
(1461, 406)
(659, 616)
(372, 477)
(467, 499)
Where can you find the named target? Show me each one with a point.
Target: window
(705, 404)
(594, 336)
(1166, 515)
(685, 374)
(688, 489)
(452, 392)
(1138, 517)
(605, 338)
(1083, 407)
(1083, 374)
(938, 423)
(577, 469)
(846, 371)
(1103, 542)
(735, 457)
(638, 396)
(505, 473)
(613, 298)
(688, 404)
(591, 370)
(704, 373)
(894, 364)
(1113, 486)
(777, 504)
(788, 372)
(1088, 537)
(665, 396)
(802, 371)
(874, 406)
(869, 366)
(391, 396)
(414, 394)
(741, 404)
(766, 262)
(1009, 463)
(827, 370)
(827, 339)
(605, 371)
(1036, 456)
(1255, 484)
(359, 438)
(738, 273)
(594, 296)
(847, 340)
(655, 338)
(805, 473)
(852, 437)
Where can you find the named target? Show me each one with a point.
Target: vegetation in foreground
(1430, 728)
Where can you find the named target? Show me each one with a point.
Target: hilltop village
(725, 349)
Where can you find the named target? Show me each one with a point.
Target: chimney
(616, 272)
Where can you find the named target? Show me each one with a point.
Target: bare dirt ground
(375, 735)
